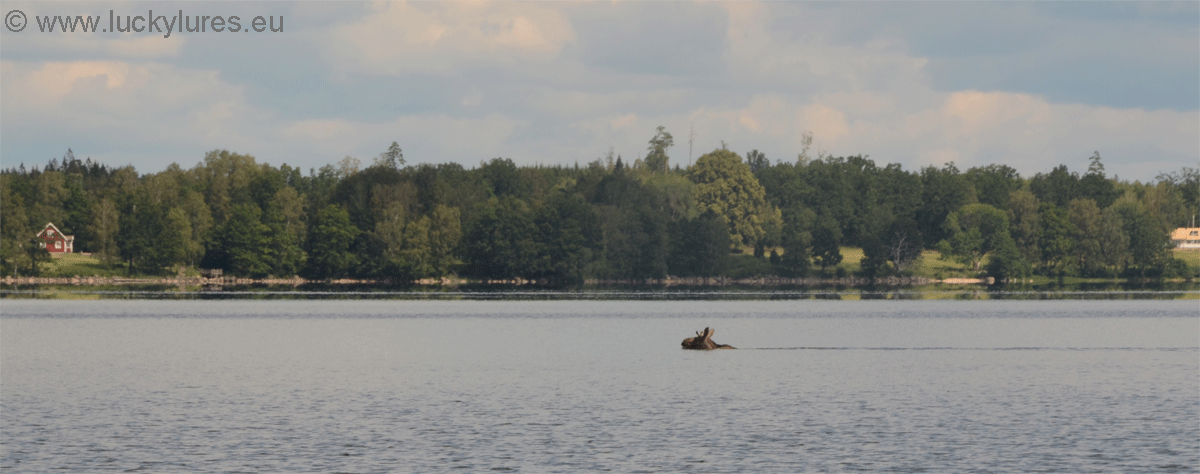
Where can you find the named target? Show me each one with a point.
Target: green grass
(1189, 256)
(744, 265)
(932, 266)
(72, 264)
(851, 259)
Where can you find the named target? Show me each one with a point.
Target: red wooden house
(54, 240)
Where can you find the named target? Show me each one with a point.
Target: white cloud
(556, 83)
(423, 137)
(121, 107)
(425, 37)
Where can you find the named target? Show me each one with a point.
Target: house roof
(1186, 233)
(49, 226)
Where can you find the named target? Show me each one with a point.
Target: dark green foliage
(503, 178)
(500, 243)
(1057, 239)
(993, 184)
(757, 161)
(1006, 263)
(635, 242)
(1095, 186)
(283, 247)
(607, 219)
(699, 247)
(37, 254)
(141, 225)
(856, 193)
(944, 191)
(826, 243)
(1058, 187)
(1187, 182)
(1148, 242)
(976, 230)
(329, 239)
(797, 241)
(357, 192)
(634, 222)
(874, 259)
(569, 238)
(243, 243)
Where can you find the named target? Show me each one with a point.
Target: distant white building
(1186, 238)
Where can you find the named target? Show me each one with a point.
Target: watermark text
(165, 23)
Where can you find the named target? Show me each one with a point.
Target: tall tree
(757, 161)
(1095, 186)
(944, 190)
(826, 243)
(1058, 187)
(225, 178)
(244, 242)
(657, 160)
(393, 157)
(725, 187)
(874, 259)
(1148, 241)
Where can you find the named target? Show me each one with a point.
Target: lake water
(569, 386)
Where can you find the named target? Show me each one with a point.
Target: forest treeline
(608, 219)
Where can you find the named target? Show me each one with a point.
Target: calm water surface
(569, 386)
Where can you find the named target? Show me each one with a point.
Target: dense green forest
(608, 219)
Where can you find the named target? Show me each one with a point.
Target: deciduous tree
(975, 230)
(657, 160)
(725, 187)
(826, 243)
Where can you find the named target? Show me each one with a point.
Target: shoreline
(217, 283)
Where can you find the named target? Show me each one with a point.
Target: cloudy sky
(1027, 84)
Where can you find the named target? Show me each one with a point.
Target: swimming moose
(703, 341)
